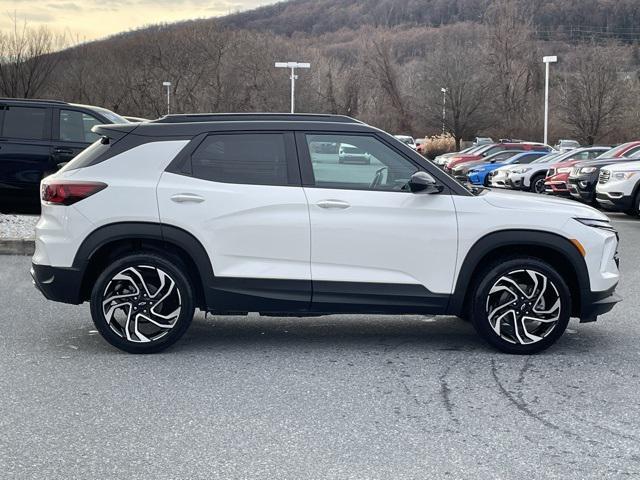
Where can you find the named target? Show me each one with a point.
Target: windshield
(615, 151)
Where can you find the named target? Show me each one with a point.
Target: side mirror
(422, 182)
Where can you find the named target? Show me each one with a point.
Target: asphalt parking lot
(331, 397)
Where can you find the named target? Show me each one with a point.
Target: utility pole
(444, 108)
(292, 66)
(547, 61)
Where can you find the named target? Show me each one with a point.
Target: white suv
(247, 213)
(619, 186)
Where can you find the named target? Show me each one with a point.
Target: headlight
(521, 170)
(596, 223)
(564, 170)
(623, 175)
(587, 170)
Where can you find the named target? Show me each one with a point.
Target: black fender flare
(518, 238)
(144, 231)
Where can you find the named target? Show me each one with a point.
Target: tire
(537, 184)
(157, 289)
(517, 332)
(634, 211)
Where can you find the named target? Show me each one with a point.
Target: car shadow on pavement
(327, 332)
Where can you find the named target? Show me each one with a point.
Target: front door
(375, 246)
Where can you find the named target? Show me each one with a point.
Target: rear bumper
(57, 283)
(598, 303)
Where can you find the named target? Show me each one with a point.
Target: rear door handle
(340, 204)
(187, 198)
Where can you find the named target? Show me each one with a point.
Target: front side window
(76, 126)
(25, 123)
(357, 162)
(252, 158)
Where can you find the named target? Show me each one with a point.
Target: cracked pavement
(339, 397)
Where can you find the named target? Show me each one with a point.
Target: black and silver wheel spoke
(141, 303)
(523, 307)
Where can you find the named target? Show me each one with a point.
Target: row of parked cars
(598, 175)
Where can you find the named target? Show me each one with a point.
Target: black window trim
(48, 120)
(182, 165)
(306, 167)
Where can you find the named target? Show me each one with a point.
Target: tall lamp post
(444, 108)
(292, 66)
(167, 85)
(547, 61)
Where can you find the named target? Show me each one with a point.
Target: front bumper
(617, 203)
(582, 188)
(598, 303)
(57, 283)
(516, 181)
(555, 187)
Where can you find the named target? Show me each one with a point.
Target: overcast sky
(91, 19)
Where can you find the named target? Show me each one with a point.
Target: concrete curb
(17, 246)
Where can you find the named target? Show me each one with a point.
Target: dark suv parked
(36, 138)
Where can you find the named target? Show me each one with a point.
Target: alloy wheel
(141, 304)
(523, 307)
(538, 186)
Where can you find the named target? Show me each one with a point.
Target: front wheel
(635, 208)
(537, 184)
(521, 305)
(142, 303)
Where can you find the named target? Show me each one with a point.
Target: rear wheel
(521, 305)
(142, 303)
(537, 184)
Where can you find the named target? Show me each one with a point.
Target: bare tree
(456, 64)
(511, 60)
(383, 68)
(27, 59)
(593, 92)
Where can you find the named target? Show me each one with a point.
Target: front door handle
(340, 204)
(187, 198)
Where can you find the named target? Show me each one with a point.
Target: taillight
(66, 192)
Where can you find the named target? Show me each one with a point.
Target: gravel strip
(17, 226)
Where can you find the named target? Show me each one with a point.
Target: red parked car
(557, 179)
(495, 148)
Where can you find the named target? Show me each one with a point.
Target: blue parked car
(479, 175)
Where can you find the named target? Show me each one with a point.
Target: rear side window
(76, 126)
(252, 158)
(87, 156)
(25, 123)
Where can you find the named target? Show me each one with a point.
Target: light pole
(444, 108)
(292, 66)
(547, 61)
(168, 87)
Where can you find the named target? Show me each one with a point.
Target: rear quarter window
(87, 156)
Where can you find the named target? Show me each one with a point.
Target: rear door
(72, 133)
(25, 151)
(375, 246)
(239, 194)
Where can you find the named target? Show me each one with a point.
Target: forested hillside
(567, 19)
(383, 61)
